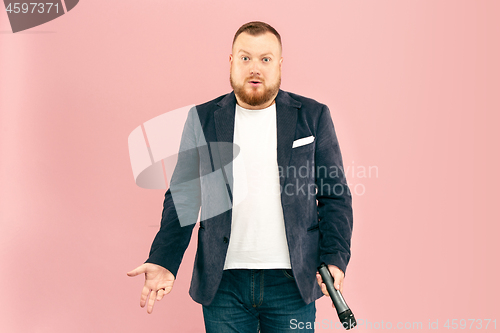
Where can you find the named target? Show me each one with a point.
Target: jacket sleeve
(333, 195)
(182, 201)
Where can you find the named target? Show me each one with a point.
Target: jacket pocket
(303, 149)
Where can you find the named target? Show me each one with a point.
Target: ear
(281, 61)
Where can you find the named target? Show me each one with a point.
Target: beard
(253, 97)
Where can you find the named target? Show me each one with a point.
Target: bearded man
(256, 261)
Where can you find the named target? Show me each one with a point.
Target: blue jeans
(251, 299)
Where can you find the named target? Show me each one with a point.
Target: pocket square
(303, 141)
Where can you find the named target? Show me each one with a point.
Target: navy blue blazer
(316, 199)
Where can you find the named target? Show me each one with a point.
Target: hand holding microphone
(345, 314)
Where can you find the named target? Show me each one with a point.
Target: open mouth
(254, 83)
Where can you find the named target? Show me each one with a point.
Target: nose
(254, 68)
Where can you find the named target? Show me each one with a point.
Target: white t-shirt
(258, 238)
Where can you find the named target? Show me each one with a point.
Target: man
(289, 203)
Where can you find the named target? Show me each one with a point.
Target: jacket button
(226, 240)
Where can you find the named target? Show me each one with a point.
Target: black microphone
(345, 314)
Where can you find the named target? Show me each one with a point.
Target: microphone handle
(345, 314)
(336, 296)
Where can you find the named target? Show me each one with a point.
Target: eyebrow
(267, 53)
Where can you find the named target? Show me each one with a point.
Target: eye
(245, 58)
(266, 59)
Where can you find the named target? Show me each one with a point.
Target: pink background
(413, 90)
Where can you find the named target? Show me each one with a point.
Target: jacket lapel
(224, 118)
(286, 122)
(223, 151)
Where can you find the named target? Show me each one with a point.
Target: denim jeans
(249, 300)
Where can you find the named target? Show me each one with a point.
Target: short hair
(256, 28)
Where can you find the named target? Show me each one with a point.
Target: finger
(144, 295)
(151, 302)
(338, 282)
(338, 276)
(324, 290)
(160, 294)
(139, 270)
(319, 279)
(321, 284)
(168, 288)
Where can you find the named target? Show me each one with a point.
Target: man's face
(255, 70)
